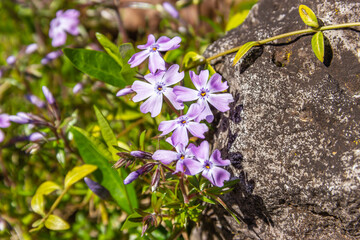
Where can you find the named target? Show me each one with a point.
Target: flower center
(183, 121)
(182, 157)
(154, 49)
(203, 93)
(207, 164)
(159, 88)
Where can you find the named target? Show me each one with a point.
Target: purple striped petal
(194, 110)
(197, 129)
(153, 105)
(154, 78)
(219, 175)
(200, 80)
(201, 152)
(167, 126)
(156, 62)
(207, 173)
(70, 13)
(143, 90)
(150, 41)
(215, 85)
(217, 160)
(185, 94)
(169, 94)
(138, 58)
(165, 156)
(168, 45)
(206, 113)
(221, 101)
(172, 75)
(180, 135)
(193, 166)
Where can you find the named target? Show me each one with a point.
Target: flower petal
(201, 152)
(124, 91)
(2, 136)
(166, 45)
(180, 135)
(167, 126)
(4, 120)
(185, 94)
(215, 85)
(138, 58)
(143, 90)
(169, 94)
(194, 110)
(221, 101)
(153, 105)
(197, 129)
(208, 175)
(156, 62)
(172, 75)
(200, 80)
(153, 78)
(206, 113)
(219, 175)
(59, 39)
(150, 41)
(165, 156)
(193, 166)
(217, 160)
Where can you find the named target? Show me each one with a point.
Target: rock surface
(293, 132)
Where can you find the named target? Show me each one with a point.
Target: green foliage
(243, 50)
(54, 222)
(308, 16)
(317, 43)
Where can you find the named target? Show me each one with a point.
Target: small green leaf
(126, 52)
(47, 188)
(192, 58)
(78, 173)
(308, 16)
(37, 204)
(37, 223)
(317, 43)
(39, 227)
(56, 223)
(97, 64)
(208, 200)
(142, 141)
(237, 19)
(131, 224)
(243, 50)
(110, 48)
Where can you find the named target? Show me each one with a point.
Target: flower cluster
(189, 159)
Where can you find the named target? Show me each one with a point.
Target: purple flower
(182, 153)
(4, 123)
(152, 50)
(48, 95)
(51, 56)
(143, 170)
(37, 136)
(35, 100)
(21, 118)
(182, 124)
(170, 9)
(157, 87)
(11, 60)
(204, 93)
(31, 48)
(64, 22)
(124, 91)
(210, 167)
(77, 88)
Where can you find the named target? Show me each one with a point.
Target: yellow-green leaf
(243, 50)
(211, 69)
(317, 43)
(237, 19)
(54, 222)
(37, 204)
(47, 188)
(308, 16)
(37, 223)
(192, 58)
(35, 229)
(78, 173)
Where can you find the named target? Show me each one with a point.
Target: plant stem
(304, 31)
(57, 201)
(182, 187)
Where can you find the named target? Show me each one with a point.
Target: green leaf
(78, 173)
(142, 141)
(192, 58)
(243, 50)
(37, 204)
(96, 64)
(125, 196)
(318, 45)
(208, 200)
(110, 48)
(131, 224)
(107, 133)
(308, 16)
(126, 52)
(37, 223)
(237, 19)
(211, 69)
(56, 223)
(47, 188)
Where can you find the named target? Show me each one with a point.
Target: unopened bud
(131, 177)
(141, 154)
(155, 179)
(98, 189)
(48, 95)
(124, 91)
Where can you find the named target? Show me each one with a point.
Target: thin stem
(57, 201)
(309, 30)
(120, 23)
(172, 107)
(183, 191)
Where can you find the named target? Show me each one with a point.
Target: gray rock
(293, 132)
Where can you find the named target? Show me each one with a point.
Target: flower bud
(48, 95)
(124, 91)
(31, 48)
(35, 100)
(131, 177)
(77, 88)
(141, 154)
(98, 189)
(11, 60)
(170, 9)
(21, 118)
(36, 136)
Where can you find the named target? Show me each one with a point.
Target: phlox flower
(206, 93)
(184, 123)
(168, 156)
(4, 123)
(65, 22)
(152, 50)
(210, 167)
(157, 86)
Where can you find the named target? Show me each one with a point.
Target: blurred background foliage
(23, 22)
